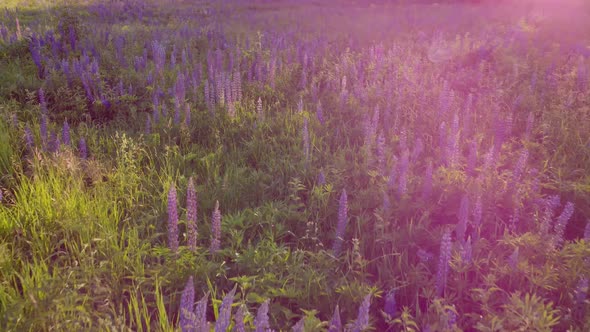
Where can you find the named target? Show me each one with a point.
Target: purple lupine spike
(261, 321)
(187, 303)
(179, 89)
(164, 111)
(42, 100)
(52, 145)
(342, 222)
(299, 326)
(321, 179)
(477, 214)
(390, 306)
(587, 231)
(65, 134)
(442, 135)
(300, 105)
(581, 292)
(148, 125)
(427, 184)
(452, 319)
(176, 112)
(239, 325)
(443, 263)
(550, 204)
(83, 150)
(520, 165)
(191, 215)
(335, 322)
(467, 251)
(216, 229)
(201, 323)
(562, 221)
(463, 218)
(172, 219)
(30, 143)
(320, 113)
(513, 258)
(223, 319)
(362, 320)
(417, 150)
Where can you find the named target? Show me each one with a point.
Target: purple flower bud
(342, 222)
(321, 179)
(239, 320)
(562, 221)
(82, 148)
(29, 138)
(463, 218)
(201, 315)
(513, 259)
(443, 263)
(261, 321)
(216, 229)
(520, 165)
(335, 322)
(187, 303)
(172, 219)
(320, 113)
(390, 306)
(362, 320)
(223, 319)
(65, 135)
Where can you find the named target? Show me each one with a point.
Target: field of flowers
(287, 165)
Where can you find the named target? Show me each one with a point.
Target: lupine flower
(82, 148)
(551, 203)
(442, 135)
(342, 222)
(65, 135)
(261, 321)
(580, 296)
(477, 214)
(29, 138)
(239, 320)
(390, 307)
(42, 100)
(201, 314)
(320, 113)
(562, 221)
(216, 229)
(187, 114)
(529, 125)
(403, 173)
(300, 105)
(587, 231)
(362, 320)
(172, 219)
(335, 322)
(463, 218)
(520, 165)
(176, 113)
(321, 179)
(187, 303)
(452, 318)
(467, 251)
(223, 319)
(299, 326)
(191, 215)
(443, 263)
(513, 259)
(418, 149)
(380, 151)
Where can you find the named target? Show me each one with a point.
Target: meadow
(290, 165)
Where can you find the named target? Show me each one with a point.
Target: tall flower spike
(335, 322)
(216, 229)
(223, 319)
(463, 218)
(201, 323)
(261, 321)
(172, 219)
(83, 150)
(191, 215)
(562, 221)
(342, 222)
(362, 320)
(187, 303)
(443, 263)
(390, 304)
(239, 325)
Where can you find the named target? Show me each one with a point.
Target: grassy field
(294, 166)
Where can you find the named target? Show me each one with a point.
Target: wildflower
(306, 142)
(562, 221)
(380, 152)
(477, 214)
(335, 322)
(321, 178)
(342, 222)
(587, 231)
(201, 315)
(148, 125)
(520, 165)
(550, 204)
(172, 219)
(216, 229)
(187, 114)
(443, 262)
(320, 113)
(82, 148)
(223, 319)
(191, 215)
(362, 320)
(403, 173)
(187, 302)
(467, 251)
(239, 320)
(29, 138)
(452, 318)
(299, 326)
(513, 259)
(390, 306)
(261, 321)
